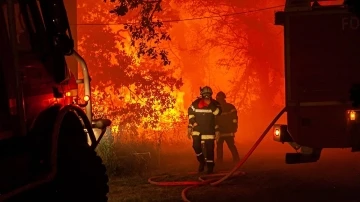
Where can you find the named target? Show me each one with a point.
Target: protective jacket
(202, 118)
(228, 120)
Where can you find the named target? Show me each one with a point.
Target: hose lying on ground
(216, 179)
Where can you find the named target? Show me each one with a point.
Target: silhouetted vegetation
(147, 31)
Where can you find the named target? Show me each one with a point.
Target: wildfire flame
(165, 119)
(171, 115)
(245, 80)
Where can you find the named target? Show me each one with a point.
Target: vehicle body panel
(38, 85)
(322, 62)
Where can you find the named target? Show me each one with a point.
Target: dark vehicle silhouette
(321, 66)
(47, 134)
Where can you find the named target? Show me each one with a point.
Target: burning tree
(128, 87)
(146, 28)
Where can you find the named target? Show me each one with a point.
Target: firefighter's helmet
(220, 96)
(206, 92)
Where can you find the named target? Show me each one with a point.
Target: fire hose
(216, 179)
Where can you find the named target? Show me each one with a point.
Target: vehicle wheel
(81, 173)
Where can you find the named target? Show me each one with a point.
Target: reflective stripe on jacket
(202, 120)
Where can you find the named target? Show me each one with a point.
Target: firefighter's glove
(189, 133)
(217, 136)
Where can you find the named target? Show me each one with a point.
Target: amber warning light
(277, 132)
(86, 98)
(352, 115)
(71, 97)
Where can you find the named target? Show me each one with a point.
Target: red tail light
(71, 97)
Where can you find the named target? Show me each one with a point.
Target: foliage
(139, 156)
(129, 158)
(135, 93)
(147, 33)
(124, 90)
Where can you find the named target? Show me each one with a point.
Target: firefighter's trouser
(204, 150)
(231, 144)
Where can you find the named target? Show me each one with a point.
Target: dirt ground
(334, 178)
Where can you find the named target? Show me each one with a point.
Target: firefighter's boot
(201, 160)
(210, 167)
(235, 154)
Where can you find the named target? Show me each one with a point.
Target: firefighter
(228, 125)
(202, 128)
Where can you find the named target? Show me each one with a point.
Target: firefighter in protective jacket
(228, 125)
(203, 129)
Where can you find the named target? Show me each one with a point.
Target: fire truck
(322, 65)
(47, 132)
